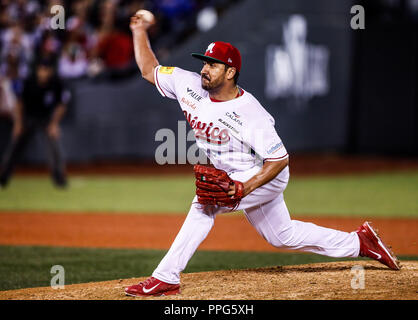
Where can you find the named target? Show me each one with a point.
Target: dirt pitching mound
(324, 281)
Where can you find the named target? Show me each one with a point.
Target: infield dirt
(158, 231)
(313, 281)
(321, 281)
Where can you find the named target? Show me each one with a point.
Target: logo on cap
(210, 47)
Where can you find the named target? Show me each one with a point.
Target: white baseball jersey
(236, 135)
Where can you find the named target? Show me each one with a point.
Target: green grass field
(372, 195)
(394, 194)
(24, 267)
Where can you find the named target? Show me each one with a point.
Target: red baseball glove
(212, 186)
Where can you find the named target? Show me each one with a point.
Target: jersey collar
(239, 94)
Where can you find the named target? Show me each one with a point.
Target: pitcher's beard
(210, 85)
(205, 84)
(205, 87)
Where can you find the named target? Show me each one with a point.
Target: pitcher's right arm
(144, 56)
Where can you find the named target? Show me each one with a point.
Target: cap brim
(206, 58)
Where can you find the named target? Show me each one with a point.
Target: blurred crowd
(95, 42)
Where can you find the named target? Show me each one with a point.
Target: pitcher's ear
(231, 72)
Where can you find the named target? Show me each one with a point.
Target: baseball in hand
(146, 15)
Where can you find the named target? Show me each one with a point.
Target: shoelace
(146, 282)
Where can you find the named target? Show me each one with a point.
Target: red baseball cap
(221, 52)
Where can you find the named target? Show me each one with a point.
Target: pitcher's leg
(272, 221)
(195, 229)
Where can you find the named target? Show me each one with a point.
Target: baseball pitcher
(250, 165)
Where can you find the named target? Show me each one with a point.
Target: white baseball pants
(266, 210)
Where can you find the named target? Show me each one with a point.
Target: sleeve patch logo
(166, 70)
(275, 148)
